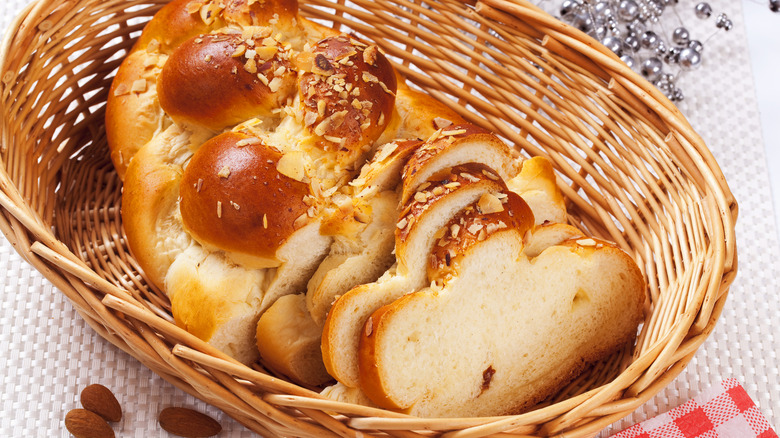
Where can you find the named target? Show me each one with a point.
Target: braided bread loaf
(282, 184)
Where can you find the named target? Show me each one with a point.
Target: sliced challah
(298, 202)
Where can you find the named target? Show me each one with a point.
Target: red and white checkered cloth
(720, 412)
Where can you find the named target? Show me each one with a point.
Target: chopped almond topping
(219, 209)
(474, 228)
(490, 175)
(368, 77)
(452, 185)
(251, 66)
(586, 242)
(208, 58)
(402, 223)
(300, 221)
(309, 118)
(234, 70)
(387, 90)
(420, 197)
(369, 55)
(265, 221)
(199, 185)
(440, 123)
(153, 46)
(280, 71)
(275, 84)
(266, 52)
(482, 235)
(263, 79)
(224, 172)
(470, 178)
(454, 132)
(248, 142)
(291, 165)
(139, 86)
(322, 66)
(321, 107)
(240, 50)
(454, 230)
(438, 190)
(236, 206)
(194, 7)
(121, 90)
(369, 325)
(488, 203)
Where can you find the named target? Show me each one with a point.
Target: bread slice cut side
(504, 333)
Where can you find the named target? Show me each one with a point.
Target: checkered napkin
(720, 412)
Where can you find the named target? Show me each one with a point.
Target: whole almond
(188, 423)
(82, 423)
(100, 400)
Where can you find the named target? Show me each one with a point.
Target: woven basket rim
(100, 301)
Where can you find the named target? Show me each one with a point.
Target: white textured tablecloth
(48, 354)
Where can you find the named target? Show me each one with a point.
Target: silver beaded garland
(774, 5)
(631, 30)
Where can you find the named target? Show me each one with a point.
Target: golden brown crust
(474, 224)
(132, 97)
(176, 22)
(220, 80)
(437, 187)
(233, 198)
(348, 93)
(150, 191)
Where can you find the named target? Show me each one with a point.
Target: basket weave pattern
(632, 168)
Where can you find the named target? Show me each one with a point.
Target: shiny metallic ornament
(599, 32)
(660, 49)
(672, 56)
(703, 10)
(632, 43)
(664, 86)
(774, 5)
(650, 40)
(603, 10)
(677, 95)
(681, 36)
(652, 69)
(569, 8)
(614, 44)
(636, 27)
(697, 45)
(628, 10)
(629, 60)
(689, 59)
(582, 21)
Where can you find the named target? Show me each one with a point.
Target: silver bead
(602, 11)
(614, 44)
(599, 32)
(632, 43)
(660, 49)
(703, 10)
(636, 27)
(582, 21)
(628, 10)
(774, 5)
(681, 36)
(664, 86)
(629, 60)
(672, 56)
(569, 7)
(652, 68)
(677, 95)
(689, 59)
(650, 40)
(697, 45)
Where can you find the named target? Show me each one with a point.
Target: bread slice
(289, 341)
(415, 235)
(536, 184)
(504, 331)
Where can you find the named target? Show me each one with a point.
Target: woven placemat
(49, 354)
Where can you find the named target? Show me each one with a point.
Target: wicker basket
(631, 166)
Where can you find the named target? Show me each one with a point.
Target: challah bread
(518, 328)
(282, 184)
